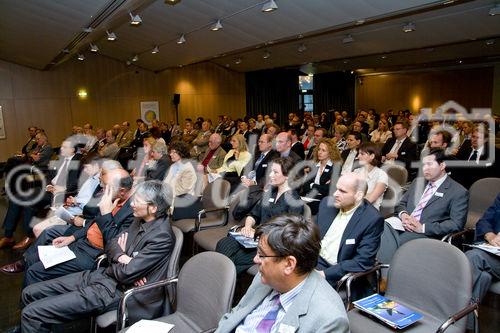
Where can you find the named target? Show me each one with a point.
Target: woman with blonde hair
(382, 133)
(234, 162)
(326, 155)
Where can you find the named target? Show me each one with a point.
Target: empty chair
(430, 277)
(205, 289)
(110, 317)
(214, 200)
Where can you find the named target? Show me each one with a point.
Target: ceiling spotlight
(135, 58)
(172, 2)
(155, 50)
(81, 57)
(490, 42)
(181, 40)
(460, 61)
(111, 36)
(495, 10)
(409, 27)
(384, 57)
(359, 22)
(135, 19)
(310, 74)
(216, 26)
(266, 55)
(237, 61)
(269, 6)
(128, 63)
(94, 48)
(347, 39)
(65, 51)
(302, 48)
(88, 29)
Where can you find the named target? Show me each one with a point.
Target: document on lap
(395, 223)
(246, 242)
(51, 255)
(63, 214)
(150, 326)
(486, 247)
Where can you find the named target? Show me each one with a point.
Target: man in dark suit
(137, 257)
(284, 147)
(350, 229)
(261, 162)
(297, 146)
(350, 155)
(433, 207)
(400, 147)
(88, 242)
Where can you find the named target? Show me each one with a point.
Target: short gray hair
(160, 147)
(155, 193)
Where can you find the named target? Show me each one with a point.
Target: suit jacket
(444, 213)
(264, 167)
(406, 153)
(317, 308)
(184, 181)
(150, 244)
(124, 139)
(45, 152)
(73, 173)
(490, 221)
(362, 232)
(217, 158)
(159, 171)
(298, 148)
(355, 163)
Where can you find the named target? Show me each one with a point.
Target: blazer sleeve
(185, 180)
(111, 227)
(458, 205)
(365, 253)
(490, 221)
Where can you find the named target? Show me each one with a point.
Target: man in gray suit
(433, 207)
(287, 295)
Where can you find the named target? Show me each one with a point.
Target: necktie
(259, 160)
(269, 319)
(473, 157)
(62, 174)
(417, 212)
(397, 146)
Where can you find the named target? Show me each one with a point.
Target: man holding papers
(486, 266)
(137, 256)
(433, 206)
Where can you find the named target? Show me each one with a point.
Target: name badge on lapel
(403, 153)
(351, 241)
(326, 170)
(271, 200)
(214, 156)
(439, 194)
(134, 254)
(264, 165)
(284, 328)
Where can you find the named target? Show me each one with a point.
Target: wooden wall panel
(49, 99)
(470, 88)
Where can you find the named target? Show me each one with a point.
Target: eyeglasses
(262, 256)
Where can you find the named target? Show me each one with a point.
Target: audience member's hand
(78, 221)
(106, 205)
(200, 168)
(140, 282)
(391, 156)
(124, 259)
(247, 231)
(63, 241)
(322, 273)
(247, 182)
(412, 224)
(122, 241)
(70, 201)
(494, 239)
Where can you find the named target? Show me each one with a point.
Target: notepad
(51, 255)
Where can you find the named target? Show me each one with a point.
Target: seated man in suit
(213, 156)
(486, 266)
(88, 242)
(433, 206)
(258, 174)
(138, 256)
(350, 155)
(350, 228)
(297, 146)
(284, 147)
(287, 295)
(400, 147)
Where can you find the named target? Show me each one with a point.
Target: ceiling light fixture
(216, 26)
(409, 27)
(490, 42)
(155, 50)
(135, 58)
(302, 48)
(88, 29)
(347, 39)
(111, 36)
(172, 2)
(94, 48)
(181, 40)
(237, 61)
(495, 10)
(269, 6)
(135, 20)
(81, 57)
(266, 55)
(384, 57)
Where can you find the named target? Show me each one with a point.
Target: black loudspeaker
(177, 99)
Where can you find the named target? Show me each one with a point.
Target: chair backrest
(397, 173)
(431, 275)
(481, 195)
(205, 289)
(216, 194)
(307, 213)
(173, 264)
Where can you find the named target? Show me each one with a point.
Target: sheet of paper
(63, 214)
(395, 223)
(150, 326)
(486, 247)
(306, 199)
(51, 255)
(213, 176)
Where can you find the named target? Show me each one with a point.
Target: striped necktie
(269, 319)
(417, 212)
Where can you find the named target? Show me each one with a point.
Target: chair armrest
(450, 237)
(457, 316)
(122, 306)
(197, 222)
(349, 278)
(100, 259)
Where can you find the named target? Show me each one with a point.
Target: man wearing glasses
(287, 295)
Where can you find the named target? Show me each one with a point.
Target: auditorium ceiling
(314, 35)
